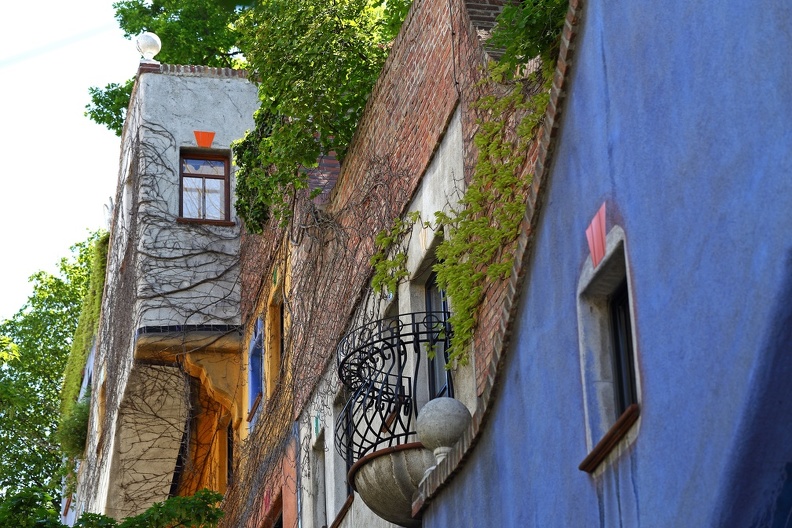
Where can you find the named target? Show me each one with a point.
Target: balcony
(391, 368)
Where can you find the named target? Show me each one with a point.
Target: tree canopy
(192, 32)
(316, 63)
(34, 348)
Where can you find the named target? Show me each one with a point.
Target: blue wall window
(611, 386)
(255, 371)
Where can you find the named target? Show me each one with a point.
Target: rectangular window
(255, 370)
(437, 314)
(204, 187)
(607, 351)
(275, 345)
(229, 454)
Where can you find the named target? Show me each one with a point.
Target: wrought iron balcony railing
(387, 368)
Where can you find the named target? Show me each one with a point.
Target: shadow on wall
(758, 491)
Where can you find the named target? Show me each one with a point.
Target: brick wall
(435, 65)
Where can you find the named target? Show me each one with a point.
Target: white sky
(58, 168)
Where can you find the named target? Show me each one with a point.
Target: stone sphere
(148, 44)
(441, 422)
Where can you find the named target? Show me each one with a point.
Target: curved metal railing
(374, 365)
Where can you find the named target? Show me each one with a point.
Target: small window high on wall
(204, 187)
(273, 355)
(608, 360)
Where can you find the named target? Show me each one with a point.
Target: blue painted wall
(679, 116)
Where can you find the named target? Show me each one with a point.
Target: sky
(59, 168)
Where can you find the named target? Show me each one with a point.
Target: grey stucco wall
(678, 117)
(160, 272)
(189, 272)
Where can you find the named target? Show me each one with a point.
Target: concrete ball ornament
(441, 423)
(148, 44)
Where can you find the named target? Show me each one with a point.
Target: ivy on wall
(72, 429)
(473, 254)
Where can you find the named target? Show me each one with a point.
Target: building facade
(166, 401)
(630, 370)
(641, 376)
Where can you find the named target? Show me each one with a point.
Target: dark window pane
(623, 363)
(437, 306)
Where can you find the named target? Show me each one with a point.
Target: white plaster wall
(440, 190)
(316, 420)
(151, 423)
(203, 287)
(165, 110)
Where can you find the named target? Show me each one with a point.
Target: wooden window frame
(209, 156)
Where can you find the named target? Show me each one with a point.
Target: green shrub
(73, 430)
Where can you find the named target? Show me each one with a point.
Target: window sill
(224, 223)
(611, 439)
(342, 513)
(254, 408)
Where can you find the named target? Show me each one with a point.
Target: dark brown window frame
(611, 439)
(206, 155)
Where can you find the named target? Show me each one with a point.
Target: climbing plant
(86, 326)
(475, 253)
(477, 232)
(316, 63)
(390, 260)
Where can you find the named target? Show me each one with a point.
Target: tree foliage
(192, 32)
(31, 507)
(109, 104)
(34, 348)
(526, 30)
(35, 508)
(316, 62)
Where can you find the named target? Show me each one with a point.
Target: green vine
(474, 254)
(73, 422)
(390, 260)
(316, 63)
(475, 251)
(73, 429)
